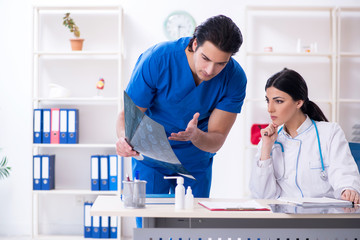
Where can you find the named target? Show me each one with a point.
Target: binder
(37, 172)
(87, 220)
(113, 172)
(55, 125)
(46, 125)
(104, 173)
(95, 172)
(73, 126)
(113, 227)
(47, 172)
(37, 126)
(96, 227)
(63, 126)
(104, 227)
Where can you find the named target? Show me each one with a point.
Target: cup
(134, 194)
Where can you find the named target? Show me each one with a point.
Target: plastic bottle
(179, 192)
(189, 199)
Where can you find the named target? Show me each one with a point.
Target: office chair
(355, 151)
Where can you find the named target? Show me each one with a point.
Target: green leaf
(4, 170)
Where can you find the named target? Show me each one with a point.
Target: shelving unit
(77, 71)
(348, 65)
(327, 71)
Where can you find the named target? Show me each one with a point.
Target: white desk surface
(113, 206)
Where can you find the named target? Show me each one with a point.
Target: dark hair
(220, 31)
(293, 83)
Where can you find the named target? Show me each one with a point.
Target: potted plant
(77, 42)
(4, 169)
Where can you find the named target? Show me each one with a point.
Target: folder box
(104, 227)
(87, 220)
(73, 126)
(37, 126)
(95, 172)
(113, 227)
(104, 173)
(47, 172)
(46, 125)
(55, 126)
(96, 227)
(63, 126)
(113, 172)
(37, 172)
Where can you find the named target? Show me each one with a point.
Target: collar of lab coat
(303, 127)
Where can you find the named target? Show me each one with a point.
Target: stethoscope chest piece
(323, 175)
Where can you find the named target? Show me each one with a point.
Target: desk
(162, 221)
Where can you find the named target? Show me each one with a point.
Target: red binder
(55, 126)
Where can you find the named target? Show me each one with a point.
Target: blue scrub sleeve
(142, 85)
(235, 92)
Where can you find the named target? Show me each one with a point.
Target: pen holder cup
(134, 194)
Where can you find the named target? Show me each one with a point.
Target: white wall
(143, 23)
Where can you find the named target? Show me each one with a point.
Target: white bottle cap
(179, 180)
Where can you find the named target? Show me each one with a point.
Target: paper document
(250, 205)
(317, 202)
(296, 209)
(149, 138)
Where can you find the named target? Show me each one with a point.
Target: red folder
(55, 126)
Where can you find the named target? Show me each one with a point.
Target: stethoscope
(323, 174)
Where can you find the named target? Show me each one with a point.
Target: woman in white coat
(305, 157)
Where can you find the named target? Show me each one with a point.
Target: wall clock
(179, 24)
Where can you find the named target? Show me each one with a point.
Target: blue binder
(105, 227)
(95, 172)
(46, 125)
(47, 172)
(113, 227)
(37, 126)
(96, 226)
(104, 173)
(37, 172)
(87, 220)
(113, 172)
(63, 126)
(73, 126)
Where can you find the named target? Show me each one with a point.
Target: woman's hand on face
(268, 136)
(350, 195)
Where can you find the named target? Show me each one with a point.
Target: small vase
(76, 44)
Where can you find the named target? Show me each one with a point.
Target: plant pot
(76, 44)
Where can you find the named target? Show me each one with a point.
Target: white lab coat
(301, 177)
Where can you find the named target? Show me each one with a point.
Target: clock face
(179, 24)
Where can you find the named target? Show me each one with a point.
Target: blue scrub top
(163, 83)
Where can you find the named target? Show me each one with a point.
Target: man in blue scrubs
(194, 88)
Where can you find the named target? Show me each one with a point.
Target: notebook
(317, 202)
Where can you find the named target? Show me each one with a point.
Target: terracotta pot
(76, 44)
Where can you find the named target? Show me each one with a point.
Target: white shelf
(74, 192)
(59, 237)
(288, 8)
(350, 54)
(55, 63)
(90, 100)
(289, 54)
(76, 53)
(248, 100)
(78, 145)
(344, 100)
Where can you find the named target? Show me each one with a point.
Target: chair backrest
(355, 151)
